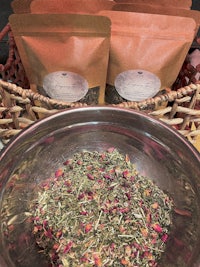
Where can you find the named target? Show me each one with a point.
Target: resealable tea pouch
(21, 6)
(65, 56)
(146, 53)
(186, 4)
(152, 9)
(70, 6)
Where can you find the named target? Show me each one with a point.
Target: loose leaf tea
(97, 210)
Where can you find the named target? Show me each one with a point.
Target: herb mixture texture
(97, 210)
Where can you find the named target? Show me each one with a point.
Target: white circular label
(137, 85)
(65, 85)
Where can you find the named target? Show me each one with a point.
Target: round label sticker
(65, 85)
(137, 85)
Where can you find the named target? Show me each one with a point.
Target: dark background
(196, 5)
(5, 11)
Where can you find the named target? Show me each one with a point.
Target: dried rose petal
(124, 262)
(56, 246)
(148, 217)
(157, 228)
(164, 238)
(84, 258)
(83, 212)
(59, 234)
(88, 227)
(58, 173)
(125, 173)
(67, 162)
(48, 234)
(68, 247)
(97, 260)
(111, 149)
(155, 205)
(144, 232)
(81, 196)
(90, 176)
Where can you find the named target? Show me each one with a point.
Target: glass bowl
(158, 152)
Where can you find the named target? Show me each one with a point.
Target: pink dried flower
(81, 196)
(103, 156)
(110, 149)
(84, 213)
(112, 246)
(125, 173)
(67, 183)
(68, 247)
(88, 227)
(124, 210)
(164, 238)
(48, 233)
(107, 176)
(59, 234)
(97, 260)
(128, 194)
(45, 223)
(155, 205)
(67, 162)
(58, 173)
(157, 228)
(90, 176)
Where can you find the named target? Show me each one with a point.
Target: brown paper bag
(70, 6)
(186, 4)
(146, 53)
(21, 6)
(65, 56)
(152, 9)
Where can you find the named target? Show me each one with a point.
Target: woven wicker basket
(20, 106)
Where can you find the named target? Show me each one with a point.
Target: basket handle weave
(28, 93)
(170, 97)
(20, 107)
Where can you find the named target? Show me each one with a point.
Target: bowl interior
(157, 151)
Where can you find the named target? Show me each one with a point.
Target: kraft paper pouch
(151, 9)
(146, 53)
(21, 6)
(65, 56)
(70, 6)
(186, 4)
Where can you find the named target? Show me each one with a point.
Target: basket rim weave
(169, 96)
(21, 107)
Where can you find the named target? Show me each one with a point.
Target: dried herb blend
(98, 211)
